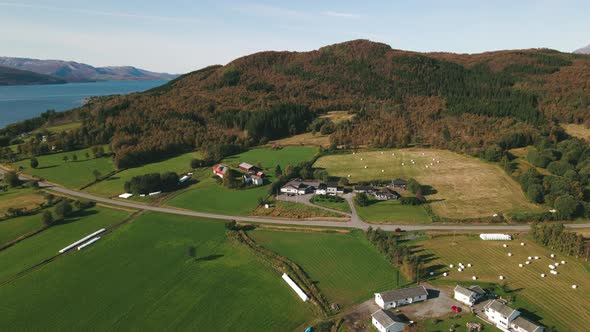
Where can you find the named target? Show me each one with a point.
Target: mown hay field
(465, 187)
(26, 198)
(346, 267)
(392, 212)
(552, 298)
(141, 277)
(577, 130)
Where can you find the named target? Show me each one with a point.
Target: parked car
(456, 309)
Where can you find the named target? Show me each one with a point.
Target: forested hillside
(11, 76)
(469, 103)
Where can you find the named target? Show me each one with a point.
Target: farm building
(521, 324)
(495, 237)
(364, 189)
(386, 194)
(387, 321)
(299, 187)
(322, 189)
(399, 297)
(245, 167)
(334, 189)
(399, 183)
(220, 170)
(469, 295)
(500, 314)
(252, 179)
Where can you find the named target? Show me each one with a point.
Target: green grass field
(114, 185)
(339, 206)
(208, 196)
(46, 244)
(346, 267)
(71, 174)
(282, 209)
(141, 278)
(13, 228)
(392, 211)
(465, 187)
(551, 298)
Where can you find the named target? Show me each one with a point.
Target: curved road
(355, 221)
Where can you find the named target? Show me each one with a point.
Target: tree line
(554, 236)
(398, 255)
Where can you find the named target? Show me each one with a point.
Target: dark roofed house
(399, 297)
(386, 194)
(399, 183)
(521, 324)
(386, 321)
(333, 189)
(364, 189)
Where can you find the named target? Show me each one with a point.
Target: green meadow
(142, 278)
(70, 174)
(13, 228)
(46, 244)
(392, 211)
(346, 267)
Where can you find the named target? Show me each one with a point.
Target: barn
(399, 297)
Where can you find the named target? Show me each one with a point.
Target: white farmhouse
(500, 314)
(386, 321)
(399, 297)
(469, 295)
(521, 324)
(322, 189)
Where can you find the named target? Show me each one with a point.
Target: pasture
(209, 196)
(141, 277)
(465, 187)
(346, 267)
(70, 174)
(306, 139)
(331, 203)
(551, 298)
(281, 209)
(19, 198)
(13, 228)
(114, 185)
(392, 211)
(46, 244)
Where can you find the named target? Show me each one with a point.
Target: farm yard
(346, 267)
(209, 196)
(70, 174)
(153, 283)
(550, 300)
(46, 244)
(465, 187)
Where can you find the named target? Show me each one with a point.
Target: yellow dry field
(465, 187)
(19, 198)
(552, 298)
(307, 139)
(338, 116)
(576, 130)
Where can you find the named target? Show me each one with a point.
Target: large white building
(469, 295)
(386, 321)
(500, 314)
(521, 324)
(399, 297)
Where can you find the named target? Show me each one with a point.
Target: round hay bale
(445, 274)
(361, 158)
(474, 278)
(451, 266)
(556, 264)
(459, 270)
(552, 255)
(505, 245)
(501, 277)
(536, 257)
(365, 166)
(543, 275)
(529, 258)
(431, 273)
(527, 262)
(522, 243)
(574, 286)
(509, 254)
(562, 262)
(520, 265)
(382, 171)
(468, 264)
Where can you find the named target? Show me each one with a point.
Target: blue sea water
(20, 102)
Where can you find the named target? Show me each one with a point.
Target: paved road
(355, 221)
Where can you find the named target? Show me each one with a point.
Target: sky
(179, 36)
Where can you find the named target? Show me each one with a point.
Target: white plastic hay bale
(393, 154)
(529, 258)
(403, 164)
(426, 166)
(474, 278)
(433, 159)
(505, 245)
(423, 153)
(382, 171)
(353, 152)
(468, 264)
(431, 273)
(520, 265)
(365, 166)
(381, 152)
(574, 286)
(527, 262)
(438, 161)
(501, 277)
(361, 159)
(552, 255)
(451, 266)
(445, 274)
(522, 243)
(562, 262)
(509, 254)
(551, 266)
(431, 164)
(556, 264)
(348, 175)
(554, 272)
(459, 270)
(537, 257)
(543, 275)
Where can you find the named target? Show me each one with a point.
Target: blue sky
(180, 35)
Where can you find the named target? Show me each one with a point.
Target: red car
(456, 309)
(398, 230)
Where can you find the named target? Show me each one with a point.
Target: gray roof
(475, 289)
(400, 294)
(386, 318)
(500, 307)
(527, 325)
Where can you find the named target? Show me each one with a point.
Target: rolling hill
(11, 76)
(80, 72)
(583, 50)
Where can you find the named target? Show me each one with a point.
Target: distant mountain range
(11, 76)
(71, 71)
(583, 50)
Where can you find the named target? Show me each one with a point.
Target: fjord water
(20, 102)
